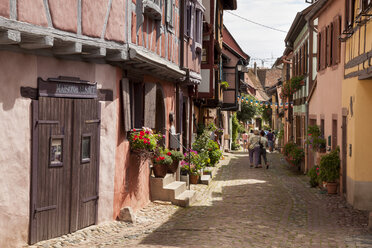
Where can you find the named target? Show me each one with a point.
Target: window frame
(58, 164)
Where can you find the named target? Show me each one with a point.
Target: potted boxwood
(176, 158)
(161, 164)
(329, 170)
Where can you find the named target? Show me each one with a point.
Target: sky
(259, 42)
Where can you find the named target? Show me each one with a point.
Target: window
(170, 11)
(198, 26)
(85, 148)
(138, 104)
(349, 13)
(366, 4)
(56, 151)
(187, 21)
(329, 45)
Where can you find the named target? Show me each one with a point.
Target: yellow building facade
(357, 103)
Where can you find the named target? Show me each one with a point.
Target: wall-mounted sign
(69, 89)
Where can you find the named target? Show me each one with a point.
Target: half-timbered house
(77, 77)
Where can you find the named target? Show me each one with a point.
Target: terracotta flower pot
(332, 188)
(194, 179)
(172, 168)
(160, 170)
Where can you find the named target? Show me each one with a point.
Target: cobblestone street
(242, 207)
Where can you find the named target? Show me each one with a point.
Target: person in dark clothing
(263, 145)
(270, 140)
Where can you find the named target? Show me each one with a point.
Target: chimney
(255, 68)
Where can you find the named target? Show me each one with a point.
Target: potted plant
(329, 170)
(161, 163)
(192, 164)
(225, 85)
(143, 142)
(314, 139)
(176, 158)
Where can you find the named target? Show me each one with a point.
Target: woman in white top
(254, 146)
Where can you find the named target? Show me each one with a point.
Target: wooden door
(85, 159)
(64, 189)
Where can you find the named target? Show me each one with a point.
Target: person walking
(245, 141)
(250, 151)
(270, 140)
(254, 145)
(263, 146)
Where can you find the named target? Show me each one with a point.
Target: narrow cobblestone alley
(242, 207)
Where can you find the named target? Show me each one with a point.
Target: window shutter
(323, 54)
(185, 18)
(150, 105)
(329, 45)
(126, 104)
(318, 57)
(192, 20)
(337, 43)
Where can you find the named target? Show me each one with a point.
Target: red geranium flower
(135, 136)
(157, 159)
(169, 153)
(147, 132)
(134, 129)
(142, 133)
(162, 158)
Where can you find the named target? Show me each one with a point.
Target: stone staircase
(168, 189)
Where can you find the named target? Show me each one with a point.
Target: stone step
(175, 189)
(185, 199)
(169, 178)
(205, 179)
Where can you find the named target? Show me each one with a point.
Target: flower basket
(172, 168)
(160, 170)
(194, 178)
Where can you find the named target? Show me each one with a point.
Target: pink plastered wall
(132, 175)
(326, 102)
(22, 70)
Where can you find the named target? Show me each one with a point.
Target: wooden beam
(37, 43)
(98, 52)
(10, 37)
(72, 48)
(120, 55)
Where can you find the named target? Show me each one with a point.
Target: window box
(152, 9)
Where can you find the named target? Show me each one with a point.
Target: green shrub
(235, 146)
(329, 168)
(214, 152)
(313, 174)
(288, 148)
